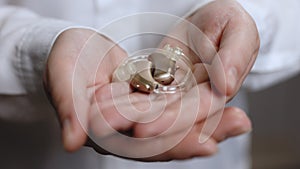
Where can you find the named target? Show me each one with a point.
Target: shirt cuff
(33, 50)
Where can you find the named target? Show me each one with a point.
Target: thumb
(72, 106)
(66, 101)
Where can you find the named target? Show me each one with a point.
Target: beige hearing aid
(143, 80)
(151, 71)
(163, 68)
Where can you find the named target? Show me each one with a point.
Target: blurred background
(275, 114)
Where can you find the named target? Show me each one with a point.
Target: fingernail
(245, 129)
(203, 138)
(241, 130)
(209, 147)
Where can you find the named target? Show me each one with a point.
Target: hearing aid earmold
(166, 70)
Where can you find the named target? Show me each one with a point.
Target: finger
(183, 145)
(233, 123)
(120, 112)
(112, 109)
(194, 106)
(188, 148)
(60, 86)
(102, 88)
(238, 50)
(234, 37)
(106, 122)
(177, 37)
(111, 90)
(162, 148)
(71, 76)
(180, 36)
(200, 73)
(75, 125)
(111, 56)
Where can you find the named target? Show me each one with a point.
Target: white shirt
(26, 37)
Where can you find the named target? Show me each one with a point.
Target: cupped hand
(222, 41)
(223, 37)
(71, 78)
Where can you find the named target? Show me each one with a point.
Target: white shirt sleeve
(279, 30)
(25, 41)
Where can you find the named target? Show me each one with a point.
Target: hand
(71, 78)
(222, 30)
(235, 45)
(63, 61)
(229, 41)
(179, 125)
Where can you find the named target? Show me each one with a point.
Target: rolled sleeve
(25, 42)
(33, 50)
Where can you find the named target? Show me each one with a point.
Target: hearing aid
(155, 71)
